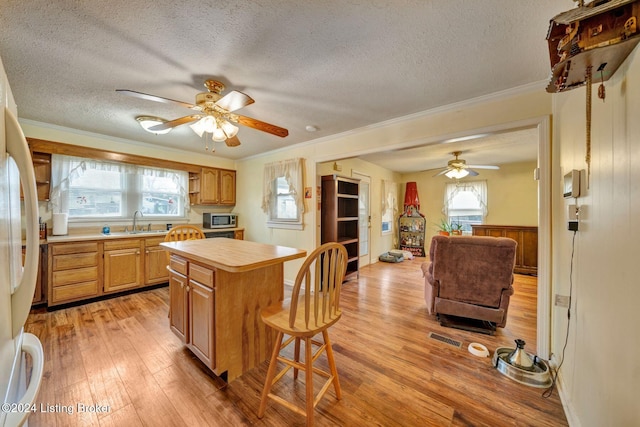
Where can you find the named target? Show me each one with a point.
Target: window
(282, 198)
(465, 204)
(285, 202)
(161, 195)
(90, 189)
(96, 193)
(389, 206)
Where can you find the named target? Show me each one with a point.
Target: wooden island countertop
(217, 288)
(233, 255)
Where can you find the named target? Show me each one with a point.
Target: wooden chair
(184, 232)
(302, 318)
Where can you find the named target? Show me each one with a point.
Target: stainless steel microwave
(219, 220)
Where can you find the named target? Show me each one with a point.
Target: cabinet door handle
(188, 288)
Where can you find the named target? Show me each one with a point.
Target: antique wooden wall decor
(599, 36)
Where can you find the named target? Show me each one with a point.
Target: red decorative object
(411, 196)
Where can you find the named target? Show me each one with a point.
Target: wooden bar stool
(184, 232)
(302, 318)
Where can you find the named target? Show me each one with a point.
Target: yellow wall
(601, 372)
(512, 195)
(379, 243)
(503, 110)
(71, 136)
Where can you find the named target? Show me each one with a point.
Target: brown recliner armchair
(470, 277)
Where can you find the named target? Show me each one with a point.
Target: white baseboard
(569, 411)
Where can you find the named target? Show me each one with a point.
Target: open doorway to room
(499, 145)
(364, 217)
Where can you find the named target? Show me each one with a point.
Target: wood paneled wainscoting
(119, 354)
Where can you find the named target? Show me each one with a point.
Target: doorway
(364, 217)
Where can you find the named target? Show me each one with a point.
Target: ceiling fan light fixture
(229, 129)
(456, 173)
(218, 135)
(147, 122)
(205, 124)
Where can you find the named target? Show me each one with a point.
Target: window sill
(285, 225)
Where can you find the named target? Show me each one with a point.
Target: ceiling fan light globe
(229, 129)
(456, 173)
(218, 135)
(198, 127)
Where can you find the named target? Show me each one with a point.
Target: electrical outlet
(562, 300)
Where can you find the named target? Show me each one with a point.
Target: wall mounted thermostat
(572, 184)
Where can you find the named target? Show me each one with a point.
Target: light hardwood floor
(120, 353)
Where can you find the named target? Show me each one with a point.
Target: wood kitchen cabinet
(192, 304)
(42, 171)
(74, 272)
(217, 187)
(123, 265)
(200, 313)
(227, 187)
(525, 236)
(178, 298)
(155, 261)
(209, 186)
(87, 269)
(39, 294)
(229, 282)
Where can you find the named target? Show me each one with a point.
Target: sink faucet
(135, 214)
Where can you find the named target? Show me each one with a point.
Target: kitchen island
(217, 288)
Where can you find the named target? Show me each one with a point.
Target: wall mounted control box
(572, 184)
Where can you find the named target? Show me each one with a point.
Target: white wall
(601, 373)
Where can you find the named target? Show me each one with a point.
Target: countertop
(120, 235)
(233, 255)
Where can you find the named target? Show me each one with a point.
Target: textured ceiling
(336, 65)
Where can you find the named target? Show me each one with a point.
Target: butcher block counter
(217, 288)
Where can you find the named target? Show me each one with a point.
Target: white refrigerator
(17, 282)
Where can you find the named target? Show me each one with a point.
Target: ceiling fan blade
(232, 142)
(174, 123)
(442, 172)
(234, 100)
(148, 97)
(472, 172)
(263, 126)
(484, 167)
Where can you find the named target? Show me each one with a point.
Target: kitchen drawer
(178, 264)
(153, 241)
(74, 292)
(73, 248)
(122, 244)
(66, 277)
(202, 275)
(72, 261)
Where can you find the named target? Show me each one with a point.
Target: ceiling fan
(214, 114)
(458, 168)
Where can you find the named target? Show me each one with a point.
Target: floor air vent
(445, 340)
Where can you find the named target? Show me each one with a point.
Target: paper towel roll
(60, 224)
